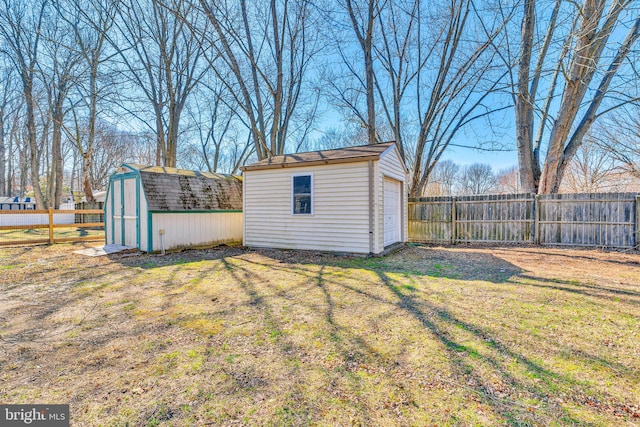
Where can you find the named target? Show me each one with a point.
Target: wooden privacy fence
(50, 226)
(600, 219)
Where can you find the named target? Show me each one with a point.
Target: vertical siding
(108, 215)
(117, 210)
(244, 209)
(340, 219)
(378, 209)
(130, 218)
(144, 235)
(390, 165)
(183, 230)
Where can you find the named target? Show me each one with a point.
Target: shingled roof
(171, 189)
(340, 155)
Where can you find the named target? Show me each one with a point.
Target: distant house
(17, 203)
(350, 200)
(149, 207)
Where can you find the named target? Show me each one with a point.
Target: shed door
(392, 216)
(130, 213)
(116, 192)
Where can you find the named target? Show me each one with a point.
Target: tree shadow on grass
(440, 322)
(566, 253)
(355, 349)
(577, 287)
(436, 320)
(475, 354)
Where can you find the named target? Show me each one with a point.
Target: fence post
(636, 232)
(454, 232)
(51, 226)
(536, 220)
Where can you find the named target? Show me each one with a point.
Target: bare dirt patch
(228, 336)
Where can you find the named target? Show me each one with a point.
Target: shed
(350, 200)
(147, 206)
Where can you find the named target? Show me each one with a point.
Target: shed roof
(171, 189)
(341, 155)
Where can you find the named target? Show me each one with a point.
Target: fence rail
(601, 220)
(20, 227)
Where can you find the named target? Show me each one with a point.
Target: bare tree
(58, 71)
(477, 178)
(162, 58)
(507, 181)
(90, 22)
(113, 147)
(443, 179)
(619, 137)
(593, 170)
(15, 154)
(460, 91)
(8, 110)
(21, 24)
(432, 76)
(217, 133)
(267, 47)
(363, 17)
(578, 74)
(349, 135)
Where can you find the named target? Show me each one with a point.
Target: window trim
(311, 194)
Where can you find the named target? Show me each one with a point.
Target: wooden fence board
(600, 220)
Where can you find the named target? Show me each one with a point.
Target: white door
(392, 216)
(130, 213)
(117, 212)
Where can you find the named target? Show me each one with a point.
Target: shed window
(302, 194)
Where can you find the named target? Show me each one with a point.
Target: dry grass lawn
(228, 336)
(11, 236)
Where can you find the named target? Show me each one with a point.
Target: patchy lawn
(426, 336)
(35, 234)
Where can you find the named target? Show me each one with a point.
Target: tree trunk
(33, 146)
(87, 156)
(368, 62)
(3, 172)
(24, 166)
(86, 177)
(364, 35)
(175, 112)
(56, 156)
(589, 46)
(524, 104)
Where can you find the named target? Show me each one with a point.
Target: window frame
(293, 194)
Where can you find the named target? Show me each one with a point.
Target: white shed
(148, 206)
(350, 200)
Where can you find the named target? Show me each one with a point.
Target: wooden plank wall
(600, 220)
